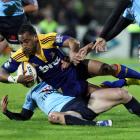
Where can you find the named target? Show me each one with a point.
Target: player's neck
(38, 50)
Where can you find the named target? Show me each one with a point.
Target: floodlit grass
(125, 125)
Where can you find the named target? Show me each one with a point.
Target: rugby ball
(26, 68)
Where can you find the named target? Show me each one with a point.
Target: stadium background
(76, 17)
(84, 19)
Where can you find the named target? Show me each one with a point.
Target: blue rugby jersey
(49, 101)
(133, 11)
(14, 7)
(11, 8)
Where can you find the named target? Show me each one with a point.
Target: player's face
(29, 43)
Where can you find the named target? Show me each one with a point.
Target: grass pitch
(125, 125)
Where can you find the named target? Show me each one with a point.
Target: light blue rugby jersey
(11, 8)
(49, 101)
(133, 11)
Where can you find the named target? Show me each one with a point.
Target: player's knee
(106, 69)
(56, 118)
(123, 94)
(53, 117)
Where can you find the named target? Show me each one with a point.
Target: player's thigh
(94, 67)
(99, 68)
(104, 99)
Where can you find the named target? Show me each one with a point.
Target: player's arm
(9, 67)
(25, 114)
(30, 6)
(114, 20)
(72, 43)
(120, 25)
(64, 41)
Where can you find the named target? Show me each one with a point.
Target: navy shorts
(9, 27)
(79, 105)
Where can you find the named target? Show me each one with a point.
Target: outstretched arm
(23, 115)
(120, 25)
(113, 26)
(114, 17)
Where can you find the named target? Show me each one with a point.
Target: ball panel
(26, 68)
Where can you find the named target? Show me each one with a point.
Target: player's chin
(27, 53)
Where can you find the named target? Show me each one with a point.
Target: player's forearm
(120, 26)
(3, 76)
(74, 45)
(6, 77)
(24, 115)
(30, 8)
(114, 17)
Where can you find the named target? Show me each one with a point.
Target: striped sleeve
(59, 40)
(11, 65)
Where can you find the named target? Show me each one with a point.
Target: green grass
(125, 125)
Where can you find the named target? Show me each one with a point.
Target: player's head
(28, 39)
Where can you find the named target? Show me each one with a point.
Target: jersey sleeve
(128, 14)
(11, 65)
(16, 58)
(29, 103)
(59, 40)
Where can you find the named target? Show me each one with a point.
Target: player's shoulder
(19, 56)
(47, 37)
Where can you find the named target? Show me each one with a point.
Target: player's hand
(85, 50)
(75, 58)
(100, 45)
(4, 103)
(25, 79)
(64, 64)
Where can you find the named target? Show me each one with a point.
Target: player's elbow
(74, 44)
(56, 118)
(35, 9)
(30, 8)
(3, 75)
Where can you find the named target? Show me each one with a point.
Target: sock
(133, 106)
(125, 72)
(71, 120)
(114, 84)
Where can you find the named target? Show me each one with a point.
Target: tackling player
(70, 110)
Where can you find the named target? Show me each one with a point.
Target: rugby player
(43, 51)
(126, 12)
(12, 16)
(70, 110)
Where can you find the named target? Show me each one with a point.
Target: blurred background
(84, 19)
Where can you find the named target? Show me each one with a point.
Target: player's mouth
(27, 51)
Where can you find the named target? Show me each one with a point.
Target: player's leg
(120, 83)
(116, 70)
(104, 99)
(74, 118)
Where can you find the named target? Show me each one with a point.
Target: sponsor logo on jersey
(45, 68)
